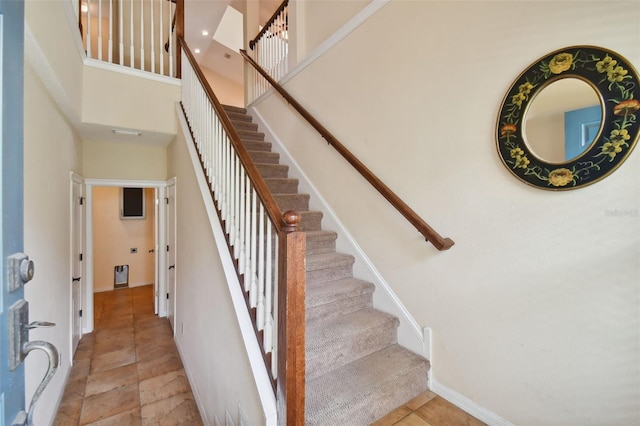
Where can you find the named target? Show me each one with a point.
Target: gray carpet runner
(355, 370)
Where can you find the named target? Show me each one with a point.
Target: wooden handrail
(427, 231)
(289, 386)
(272, 208)
(264, 29)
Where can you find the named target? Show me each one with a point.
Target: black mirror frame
(616, 82)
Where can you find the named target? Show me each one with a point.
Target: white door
(156, 251)
(170, 205)
(77, 249)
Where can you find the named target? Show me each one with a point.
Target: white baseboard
(469, 406)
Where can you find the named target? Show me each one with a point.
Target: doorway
(158, 252)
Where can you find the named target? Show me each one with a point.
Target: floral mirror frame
(616, 83)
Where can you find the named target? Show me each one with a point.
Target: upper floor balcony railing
(139, 34)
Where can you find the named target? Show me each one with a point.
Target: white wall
(228, 92)
(535, 311)
(113, 239)
(127, 161)
(207, 331)
(51, 150)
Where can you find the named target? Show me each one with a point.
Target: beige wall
(128, 161)
(535, 311)
(113, 239)
(207, 330)
(51, 150)
(228, 92)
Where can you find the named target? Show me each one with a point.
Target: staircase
(355, 370)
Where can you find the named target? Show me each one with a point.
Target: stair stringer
(259, 370)
(410, 334)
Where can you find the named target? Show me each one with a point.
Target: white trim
(258, 368)
(467, 405)
(384, 298)
(335, 38)
(95, 63)
(88, 325)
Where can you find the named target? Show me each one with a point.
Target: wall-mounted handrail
(266, 27)
(271, 268)
(427, 231)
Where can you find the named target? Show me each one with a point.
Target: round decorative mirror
(569, 120)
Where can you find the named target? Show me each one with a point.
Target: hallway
(128, 371)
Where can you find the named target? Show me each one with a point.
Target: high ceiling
(205, 15)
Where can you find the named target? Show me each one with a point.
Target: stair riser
(319, 247)
(251, 136)
(310, 221)
(262, 157)
(339, 307)
(245, 125)
(235, 110)
(282, 186)
(257, 146)
(273, 170)
(296, 202)
(329, 274)
(338, 352)
(238, 117)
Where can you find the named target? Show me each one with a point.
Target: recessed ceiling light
(126, 132)
(205, 32)
(197, 50)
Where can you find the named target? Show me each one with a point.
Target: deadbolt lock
(21, 270)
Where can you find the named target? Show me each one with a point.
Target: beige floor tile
(439, 412)
(163, 386)
(111, 379)
(159, 365)
(155, 349)
(420, 400)
(128, 418)
(108, 404)
(177, 410)
(393, 417)
(69, 411)
(110, 360)
(80, 369)
(415, 420)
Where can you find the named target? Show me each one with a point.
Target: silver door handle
(54, 361)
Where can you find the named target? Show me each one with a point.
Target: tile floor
(128, 371)
(428, 409)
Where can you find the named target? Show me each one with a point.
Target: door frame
(159, 230)
(171, 254)
(77, 179)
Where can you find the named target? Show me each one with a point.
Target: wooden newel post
(290, 393)
(179, 34)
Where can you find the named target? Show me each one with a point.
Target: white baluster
(248, 233)
(89, 29)
(254, 247)
(110, 46)
(142, 35)
(161, 40)
(267, 289)
(100, 30)
(153, 49)
(242, 222)
(120, 31)
(131, 50)
(171, 74)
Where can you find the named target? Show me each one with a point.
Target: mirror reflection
(563, 120)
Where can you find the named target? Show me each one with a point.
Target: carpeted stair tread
(282, 185)
(264, 157)
(296, 202)
(363, 391)
(244, 125)
(325, 267)
(250, 135)
(257, 145)
(234, 109)
(330, 299)
(332, 342)
(319, 242)
(273, 170)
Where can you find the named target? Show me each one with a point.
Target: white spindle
(100, 29)
(161, 40)
(142, 35)
(89, 29)
(131, 48)
(152, 39)
(257, 301)
(241, 221)
(110, 47)
(121, 31)
(254, 240)
(171, 74)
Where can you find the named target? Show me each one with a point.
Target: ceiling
(205, 15)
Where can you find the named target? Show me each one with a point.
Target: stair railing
(132, 33)
(427, 231)
(268, 251)
(271, 47)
